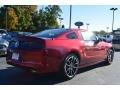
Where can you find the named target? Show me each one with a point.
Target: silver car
(3, 43)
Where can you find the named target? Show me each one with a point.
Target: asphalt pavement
(100, 74)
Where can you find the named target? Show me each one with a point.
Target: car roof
(3, 29)
(69, 30)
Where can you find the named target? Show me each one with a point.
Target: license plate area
(15, 56)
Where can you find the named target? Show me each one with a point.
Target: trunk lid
(27, 49)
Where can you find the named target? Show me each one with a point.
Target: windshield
(51, 33)
(2, 32)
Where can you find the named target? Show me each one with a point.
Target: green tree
(52, 13)
(24, 14)
(26, 17)
(2, 17)
(102, 32)
(12, 19)
(8, 18)
(47, 17)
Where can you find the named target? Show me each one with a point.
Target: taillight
(26, 45)
(30, 45)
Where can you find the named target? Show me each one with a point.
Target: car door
(92, 49)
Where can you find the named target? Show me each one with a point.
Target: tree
(102, 32)
(47, 17)
(8, 18)
(2, 17)
(52, 13)
(26, 17)
(12, 19)
(24, 14)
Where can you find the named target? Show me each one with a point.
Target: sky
(98, 16)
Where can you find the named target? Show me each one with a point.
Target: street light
(60, 21)
(87, 24)
(113, 9)
(70, 16)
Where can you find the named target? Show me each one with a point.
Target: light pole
(87, 24)
(60, 21)
(107, 29)
(113, 9)
(70, 16)
(6, 18)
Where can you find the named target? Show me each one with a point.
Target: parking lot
(97, 74)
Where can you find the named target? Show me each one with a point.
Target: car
(25, 33)
(3, 43)
(3, 46)
(116, 40)
(108, 38)
(59, 50)
(3, 32)
(13, 34)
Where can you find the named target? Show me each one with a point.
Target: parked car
(3, 43)
(12, 35)
(3, 32)
(108, 38)
(59, 50)
(25, 33)
(3, 46)
(116, 40)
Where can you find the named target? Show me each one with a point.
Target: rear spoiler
(29, 38)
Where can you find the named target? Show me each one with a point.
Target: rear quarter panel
(57, 50)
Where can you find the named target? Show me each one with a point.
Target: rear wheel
(70, 66)
(110, 55)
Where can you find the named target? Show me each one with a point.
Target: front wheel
(70, 66)
(110, 55)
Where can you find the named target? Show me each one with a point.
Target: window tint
(50, 33)
(88, 36)
(72, 36)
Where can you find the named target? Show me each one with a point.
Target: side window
(88, 36)
(71, 36)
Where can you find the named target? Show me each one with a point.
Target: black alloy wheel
(110, 55)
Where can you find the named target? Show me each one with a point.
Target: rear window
(72, 36)
(50, 33)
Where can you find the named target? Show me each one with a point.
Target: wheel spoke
(68, 71)
(71, 71)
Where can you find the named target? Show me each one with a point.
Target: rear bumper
(3, 51)
(39, 67)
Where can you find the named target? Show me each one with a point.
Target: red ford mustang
(63, 50)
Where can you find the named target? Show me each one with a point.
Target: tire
(70, 66)
(110, 55)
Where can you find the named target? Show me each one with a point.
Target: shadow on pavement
(2, 56)
(117, 50)
(17, 76)
(82, 70)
